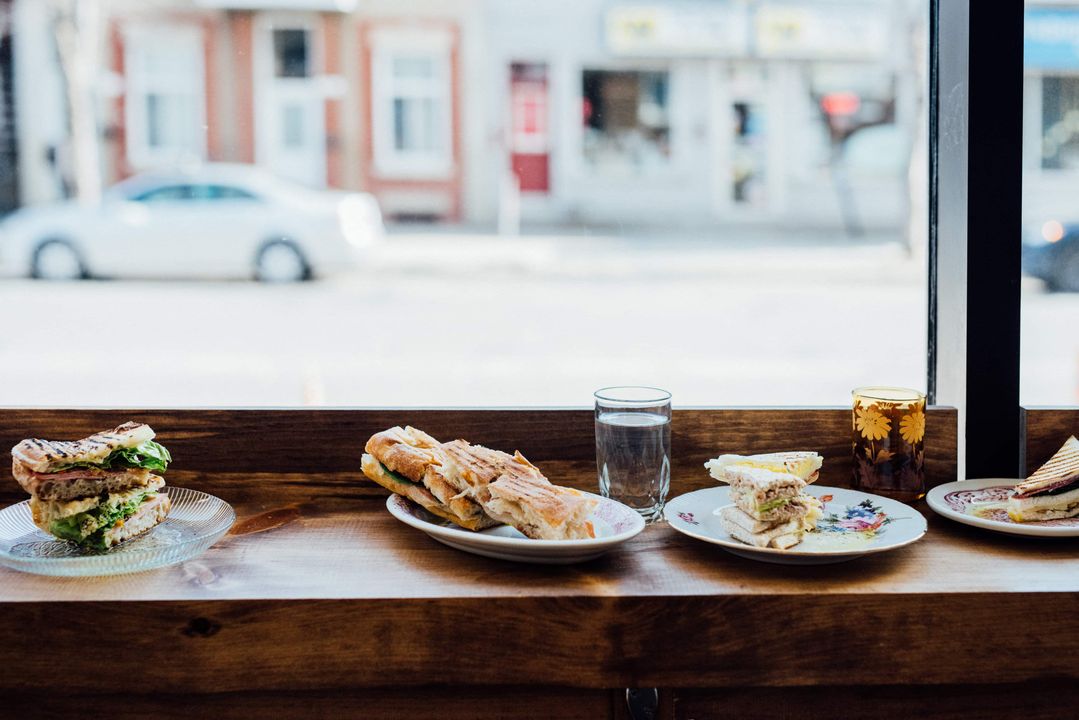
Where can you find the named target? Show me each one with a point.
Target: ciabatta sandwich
(514, 491)
(1052, 492)
(98, 491)
(409, 462)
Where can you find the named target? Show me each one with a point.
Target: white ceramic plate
(982, 503)
(613, 522)
(195, 522)
(854, 524)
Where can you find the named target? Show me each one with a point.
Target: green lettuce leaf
(101, 519)
(149, 455)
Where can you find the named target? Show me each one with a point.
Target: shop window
(626, 119)
(291, 49)
(412, 110)
(165, 102)
(1060, 122)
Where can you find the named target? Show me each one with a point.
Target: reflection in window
(626, 118)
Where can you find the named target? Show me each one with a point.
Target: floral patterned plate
(983, 503)
(854, 524)
(613, 522)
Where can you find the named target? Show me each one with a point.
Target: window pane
(1050, 311)
(501, 203)
(291, 53)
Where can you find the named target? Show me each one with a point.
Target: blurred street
(478, 320)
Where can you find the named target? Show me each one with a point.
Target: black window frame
(975, 227)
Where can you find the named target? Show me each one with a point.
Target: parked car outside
(1051, 253)
(216, 220)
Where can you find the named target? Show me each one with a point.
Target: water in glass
(633, 459)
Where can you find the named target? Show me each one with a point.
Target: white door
(289, 119)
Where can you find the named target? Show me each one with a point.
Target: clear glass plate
(195, 522)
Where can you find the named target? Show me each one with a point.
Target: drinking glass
(633, 447)
(889, 441)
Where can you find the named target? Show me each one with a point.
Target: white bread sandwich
(515, 492)
(408, 462)
(1052, 492)
(759, 533)
(804, 465)
(767, 495)
(98, 491)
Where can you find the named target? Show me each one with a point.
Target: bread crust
(50, 455)
(405, 451)
(539, 509)
(420, 495)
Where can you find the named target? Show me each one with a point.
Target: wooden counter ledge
(319, 593)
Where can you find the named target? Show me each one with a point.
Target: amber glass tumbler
(889, 442)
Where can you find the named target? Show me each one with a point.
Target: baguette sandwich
(1052, 492)
(408, 462)
(98, 491)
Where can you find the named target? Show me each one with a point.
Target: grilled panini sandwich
(98, 491)
(1052, 492)
(408, 462)
(514, 491)
(474, 486)
(802, 464)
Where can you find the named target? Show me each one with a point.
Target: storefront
(691, 112)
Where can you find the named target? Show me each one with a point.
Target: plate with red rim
(983, 503)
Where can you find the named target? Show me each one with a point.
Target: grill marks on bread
(45, 456)
(1059, 472)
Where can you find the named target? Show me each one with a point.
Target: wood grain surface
(235, 453)
(1046, 431)
(320, 604)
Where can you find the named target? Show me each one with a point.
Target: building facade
(595, 111)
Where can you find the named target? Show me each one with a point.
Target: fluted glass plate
(195, 522)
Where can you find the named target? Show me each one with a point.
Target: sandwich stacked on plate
(98, 491)
(1052, 492)
(476, 487)
(770, 508)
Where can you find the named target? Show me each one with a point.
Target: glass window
(412, 97)
(291, 53)
(503, 203)
(166, 193)
(625, 118)
(1050, 309)
(165, 95)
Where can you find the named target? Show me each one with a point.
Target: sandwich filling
(148, 455)
(87, 520)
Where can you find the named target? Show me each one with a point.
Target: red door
(529, 146)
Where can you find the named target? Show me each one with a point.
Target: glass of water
(633, 447)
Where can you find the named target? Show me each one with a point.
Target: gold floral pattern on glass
(888, 427)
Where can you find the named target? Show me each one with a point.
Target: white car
(218, 220)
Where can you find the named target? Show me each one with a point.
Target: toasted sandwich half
(515, 492)
(98, 491)
(409, 462)
(767, 495)
(804, 465)
(1052, 492)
